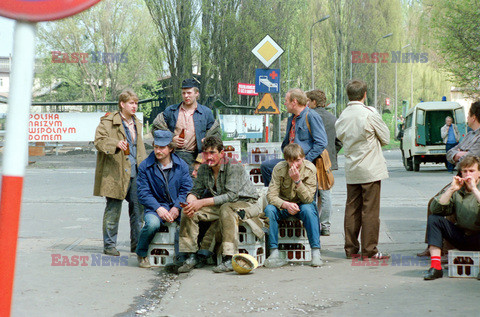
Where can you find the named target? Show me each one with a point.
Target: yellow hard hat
(244, 263)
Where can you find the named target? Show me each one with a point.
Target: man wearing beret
(189, 121)
(163, 183)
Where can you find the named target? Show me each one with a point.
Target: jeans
(152, 223)
(111, 217)
(307, 214)
(449, 146)
(325, 208)
(267, 169)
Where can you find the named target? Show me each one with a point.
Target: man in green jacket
(119, 142)
(462, 198)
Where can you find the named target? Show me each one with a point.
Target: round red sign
(43, 10)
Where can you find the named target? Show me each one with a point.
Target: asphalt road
(61, 221)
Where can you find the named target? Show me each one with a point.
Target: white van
(422, 141)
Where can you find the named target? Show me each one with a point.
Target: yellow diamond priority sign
(267, 51)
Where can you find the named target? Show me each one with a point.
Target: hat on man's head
(190, 83)
(162, 137)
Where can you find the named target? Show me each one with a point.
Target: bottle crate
(295, 252)
(161, 254)
(166, 234)
(463, 263)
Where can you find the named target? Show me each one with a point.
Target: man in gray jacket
(363, 134)
(316, 100)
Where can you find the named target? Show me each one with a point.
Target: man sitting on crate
(291, 193)
(462, 198)
(163, 183)
(233, 196)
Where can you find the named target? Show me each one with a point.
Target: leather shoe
(111, 251)
(433, 274)
(425, 252)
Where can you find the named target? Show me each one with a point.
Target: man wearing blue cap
(163, 183)
(190, 122)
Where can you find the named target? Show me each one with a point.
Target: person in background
(316, 100)
(189, 121)
(119, 142)
(363, 134)
(450, 136)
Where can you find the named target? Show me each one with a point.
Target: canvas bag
(325, 177)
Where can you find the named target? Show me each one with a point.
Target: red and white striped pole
(15, 155)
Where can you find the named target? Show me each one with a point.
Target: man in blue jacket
(311, 137)
(189, 121)
(163, 183)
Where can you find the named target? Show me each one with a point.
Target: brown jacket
(282, 188)
(112, 174)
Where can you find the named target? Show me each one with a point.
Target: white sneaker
(316, 258)
(274, 260)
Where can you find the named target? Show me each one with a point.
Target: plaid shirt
(233, 183)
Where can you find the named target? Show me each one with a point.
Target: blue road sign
(267, 80)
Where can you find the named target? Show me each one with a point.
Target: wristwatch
(297, 182)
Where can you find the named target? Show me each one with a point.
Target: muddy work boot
(274, 260)
(225, 266)
(189, 264)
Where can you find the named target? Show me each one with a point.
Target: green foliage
(120, 27)
(454, 25)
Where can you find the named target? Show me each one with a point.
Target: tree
(175, 21)
(457, 38)
(117, 38)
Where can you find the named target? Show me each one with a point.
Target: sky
(6, 36)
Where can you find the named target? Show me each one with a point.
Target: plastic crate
(166, 234)
(295, 252)
(233, 149)
(291, 230)
(463, 263)
(246, 235)
(261, 152)
(161, 254)
(255, 175)
(257, 250)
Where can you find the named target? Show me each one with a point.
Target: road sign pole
(15, 154)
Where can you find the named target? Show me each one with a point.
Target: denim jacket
(151, 184)
(312, 143)
(202, 117)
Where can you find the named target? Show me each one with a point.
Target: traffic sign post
(15, 154)
(267, 80)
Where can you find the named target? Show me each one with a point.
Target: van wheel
(416, 164)
(407, 162)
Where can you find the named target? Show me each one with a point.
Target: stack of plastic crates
(293, 242)
(463, 263)
(161, 250)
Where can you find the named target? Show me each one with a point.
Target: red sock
(435, 262)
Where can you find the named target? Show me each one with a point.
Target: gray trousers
(111, 217)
